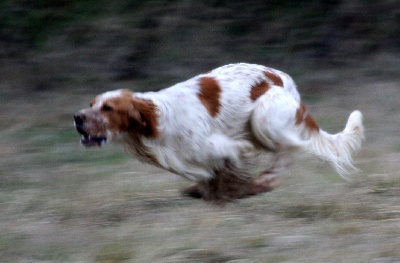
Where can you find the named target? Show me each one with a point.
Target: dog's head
(115, 114)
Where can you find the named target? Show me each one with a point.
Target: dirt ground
(60, 202)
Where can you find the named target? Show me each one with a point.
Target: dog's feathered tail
(338, 149)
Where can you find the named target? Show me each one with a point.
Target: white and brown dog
(211, 129)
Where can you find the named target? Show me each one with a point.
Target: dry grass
(62, 203)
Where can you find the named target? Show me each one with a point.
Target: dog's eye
(107, 108)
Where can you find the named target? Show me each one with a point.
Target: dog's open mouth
(91, 140)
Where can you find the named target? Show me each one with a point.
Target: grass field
(60, 202)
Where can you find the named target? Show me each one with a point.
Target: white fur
(192, 143)
(339, 148)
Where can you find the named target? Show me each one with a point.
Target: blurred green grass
(47, 146)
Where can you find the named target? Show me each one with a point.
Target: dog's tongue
(90, 141)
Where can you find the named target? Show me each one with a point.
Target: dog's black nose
(79, 118)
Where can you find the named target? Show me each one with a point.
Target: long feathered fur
(339, 148)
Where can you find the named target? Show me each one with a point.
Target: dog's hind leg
(273, 124)
(273, 121)
(270, 178)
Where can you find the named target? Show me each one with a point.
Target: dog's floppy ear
(136, 119)
(143, 118)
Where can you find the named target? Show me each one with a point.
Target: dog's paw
(247, 149)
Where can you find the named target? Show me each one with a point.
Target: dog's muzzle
(87, 139)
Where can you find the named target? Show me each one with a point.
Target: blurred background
(85, 41)
(62, 203)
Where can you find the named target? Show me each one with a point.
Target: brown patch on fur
(135, 146)
(311, 123)
(258, 90)
(274, 78)
(210, 93)
(131, 114)
(145, 113)
(302, 115)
